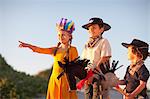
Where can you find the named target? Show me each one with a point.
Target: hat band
(142, 47)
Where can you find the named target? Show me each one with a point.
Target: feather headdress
(65, 25)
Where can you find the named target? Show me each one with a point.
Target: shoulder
(143, 73)
(104, 43)
(73, 52)
(104, 40)
(73, 48)
(143, 69)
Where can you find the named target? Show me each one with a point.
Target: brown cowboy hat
(142, 46)
(97, 21)
(137, 43)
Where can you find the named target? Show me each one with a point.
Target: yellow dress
(59, 89)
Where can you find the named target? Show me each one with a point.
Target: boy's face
(95, 30)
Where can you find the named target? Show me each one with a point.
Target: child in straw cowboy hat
(137, 74)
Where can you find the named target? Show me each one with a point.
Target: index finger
(21, 42)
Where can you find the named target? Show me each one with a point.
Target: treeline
(18, 85)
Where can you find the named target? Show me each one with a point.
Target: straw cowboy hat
(142, 46)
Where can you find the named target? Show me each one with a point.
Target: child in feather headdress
(59, 88)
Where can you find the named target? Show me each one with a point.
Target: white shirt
(101, 48)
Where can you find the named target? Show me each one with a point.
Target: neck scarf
(93, 40)
(136, 67)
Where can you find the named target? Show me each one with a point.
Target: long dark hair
(58, 44)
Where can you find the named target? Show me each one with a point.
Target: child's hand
(90, 80)
(130, 96)
(22, 44)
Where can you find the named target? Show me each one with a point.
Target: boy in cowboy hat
(98, 51)
(137, 74)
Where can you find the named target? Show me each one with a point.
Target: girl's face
(64, 36)
(95, 30)
(131, 55)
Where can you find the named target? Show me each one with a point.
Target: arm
(37, 49)
(120, 82)
(138, 89)
(120, 90)
(143, 76)
(102, 60)
(105, 52)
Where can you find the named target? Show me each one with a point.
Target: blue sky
(34, 21)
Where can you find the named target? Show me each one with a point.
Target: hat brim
(106, 26)
(126, 45)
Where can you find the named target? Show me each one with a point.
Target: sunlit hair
(100, 25)
(139, 53)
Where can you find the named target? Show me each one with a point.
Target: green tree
(18, 85)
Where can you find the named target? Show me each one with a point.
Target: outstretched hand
(22, 44)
